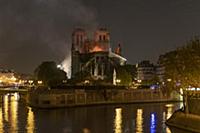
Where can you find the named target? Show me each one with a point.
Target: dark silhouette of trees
(49, 74)
(124, 77)
(182, 66)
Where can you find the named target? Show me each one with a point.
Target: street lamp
(118, 81)
(30, 81)
(39, 82)
(169, 80)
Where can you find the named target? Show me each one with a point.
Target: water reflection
(9, 113)
(16, 117)
(5, 107)
(86, 130)
(118, 120)
(13, 112)
(1, 121)
(153, 123)
(169, 111)
(167, 115)
(139, 121)
(30, 121)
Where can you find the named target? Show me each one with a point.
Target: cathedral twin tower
(91, 54)
(81, 42)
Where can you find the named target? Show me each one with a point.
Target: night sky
(32, 31)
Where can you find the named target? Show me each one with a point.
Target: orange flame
(97, 49)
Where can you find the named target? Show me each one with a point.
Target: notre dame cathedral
(93, 55)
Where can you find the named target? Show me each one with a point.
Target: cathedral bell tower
(102, 38)
(78, 39)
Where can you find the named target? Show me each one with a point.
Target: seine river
(16, 117)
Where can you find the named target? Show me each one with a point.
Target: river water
(16, 117)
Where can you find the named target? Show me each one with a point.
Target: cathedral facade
(93, 55)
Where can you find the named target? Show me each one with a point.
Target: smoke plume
(66, 64)
(32, 31)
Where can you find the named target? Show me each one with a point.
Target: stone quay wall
(66, 98)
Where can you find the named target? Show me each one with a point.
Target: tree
(182, 68)
(123, 76)
(183, 65)
(131, 69)
(80, 77)
(49, 74)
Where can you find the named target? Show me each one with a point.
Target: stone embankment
(44, 98)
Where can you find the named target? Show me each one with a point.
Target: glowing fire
(97, 49)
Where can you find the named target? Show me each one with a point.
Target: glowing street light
(13, 78)
(30, 81)
(39, 82)
(86, 81)
(59, 66)
(118, 80)
(169, 80)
